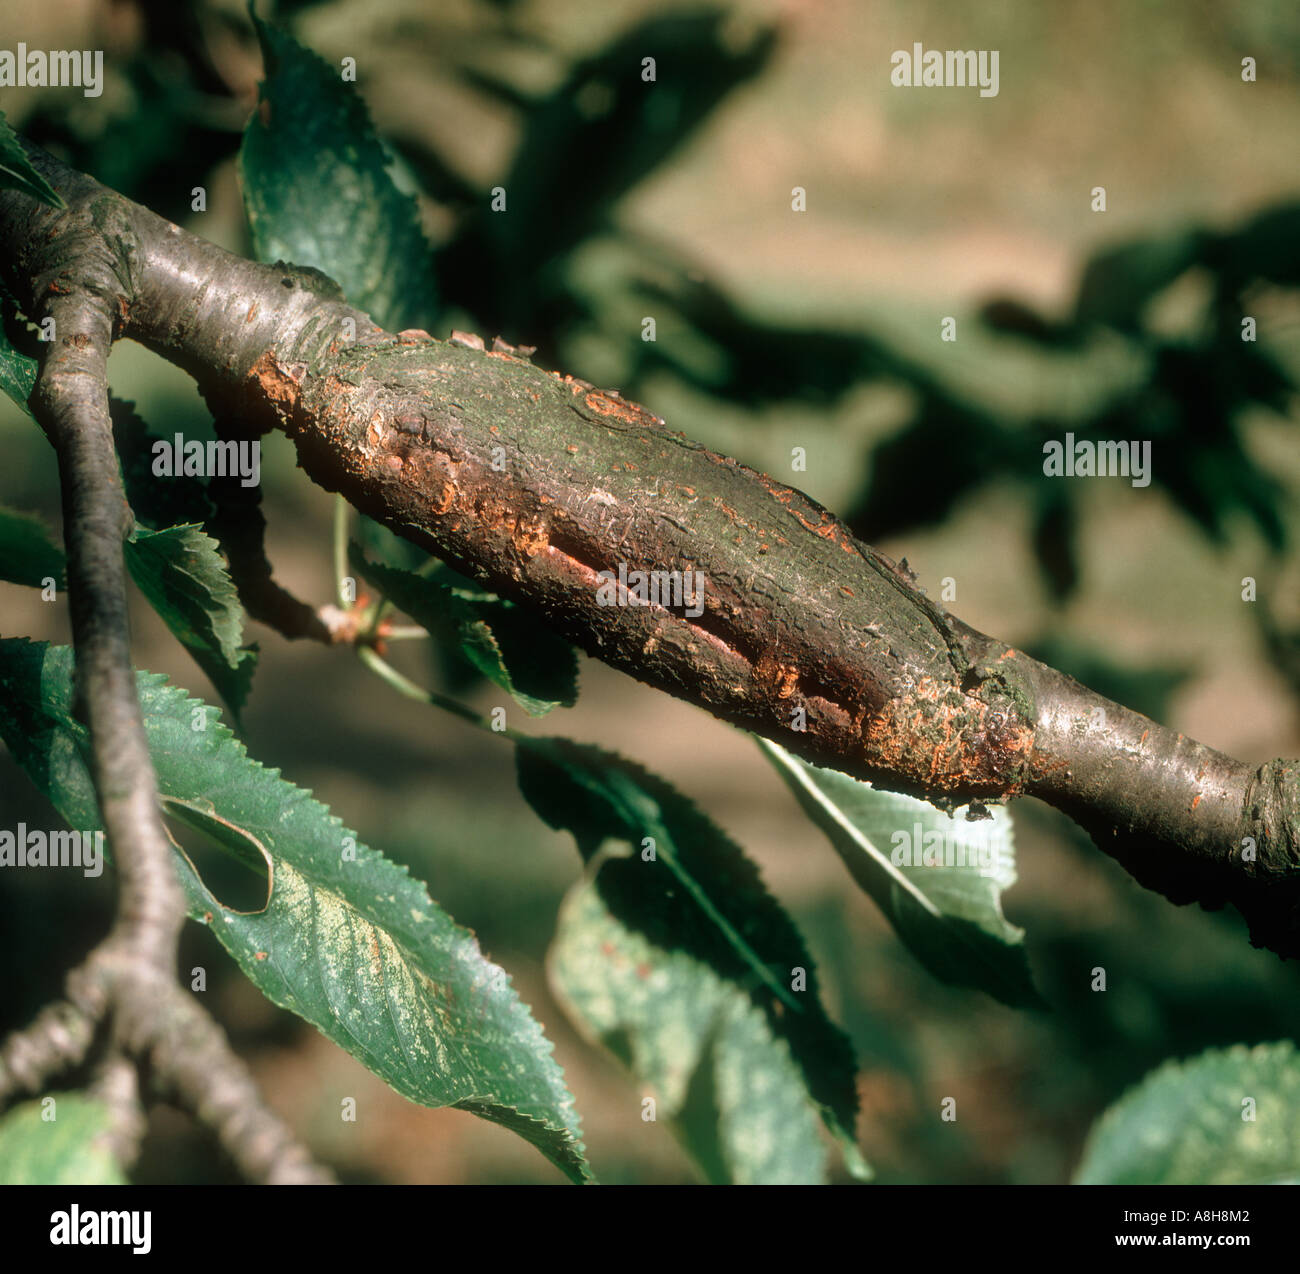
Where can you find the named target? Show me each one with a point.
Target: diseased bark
(535, 482)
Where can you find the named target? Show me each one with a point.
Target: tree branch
(537, 483)
(71, 402)
(57, 1040)
(75, 273)
(192, 1060)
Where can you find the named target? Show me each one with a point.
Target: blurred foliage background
(777, 330)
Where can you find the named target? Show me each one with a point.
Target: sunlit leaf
(938, 879)
(1228, 1117)
(349, 941)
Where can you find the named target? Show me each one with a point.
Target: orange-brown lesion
(280, 383)
(604, 404)
(827, 527)
(946, 740)
(440, 502)
(779, 678)
(530, 536)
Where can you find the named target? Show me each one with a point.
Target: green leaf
(948, 913)
(69, 1150)
(1228, 1117)
(17, 370)
(515, 649)
(507, 645)
(349, 941)
(318, 192)
(28, 555)
(708, 1054)
(16, 171)
(181, 571)
(176, 565)
(157, 504)
(700, 901)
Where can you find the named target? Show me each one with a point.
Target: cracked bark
(535, 482)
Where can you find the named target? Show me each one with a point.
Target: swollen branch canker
(536, 483)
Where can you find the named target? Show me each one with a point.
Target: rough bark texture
(535, 482)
